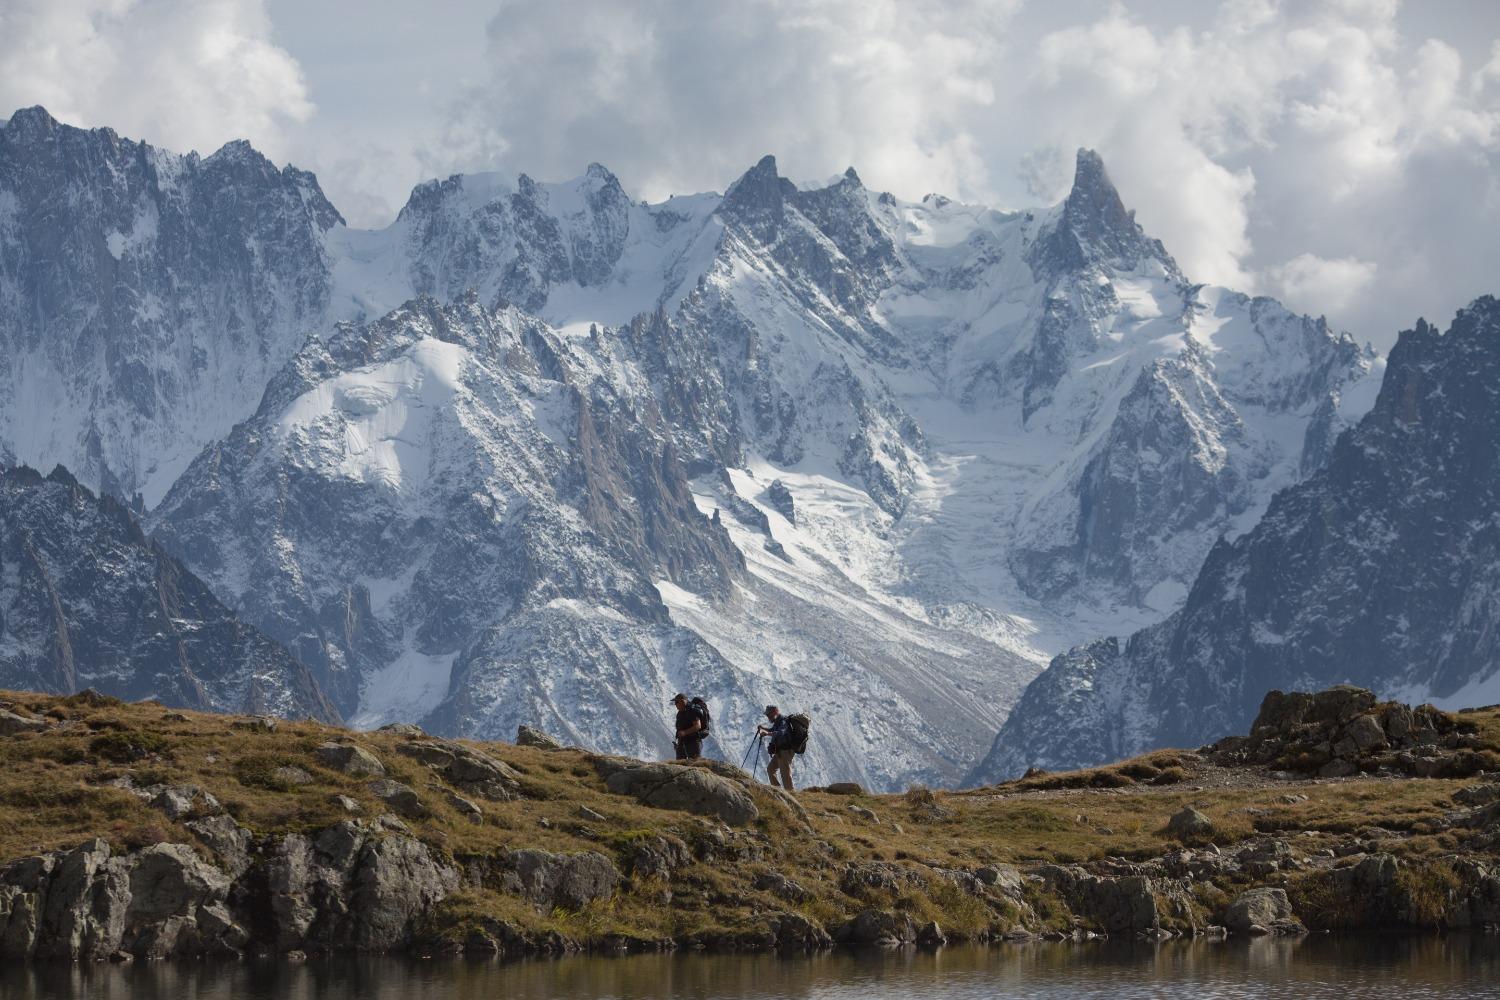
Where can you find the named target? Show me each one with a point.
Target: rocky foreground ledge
(133, 831)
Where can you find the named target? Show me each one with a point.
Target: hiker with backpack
(693, 724)
(788, 738)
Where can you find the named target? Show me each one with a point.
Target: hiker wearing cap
(689, 728)
(781, 748)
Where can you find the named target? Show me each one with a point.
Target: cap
(678, 696)
(771, 708)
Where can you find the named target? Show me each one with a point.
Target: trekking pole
(754, 738)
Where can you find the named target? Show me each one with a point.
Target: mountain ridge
(1000, 432)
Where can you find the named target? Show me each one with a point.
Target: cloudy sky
(1339, 154)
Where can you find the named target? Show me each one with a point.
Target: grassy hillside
(77, 766)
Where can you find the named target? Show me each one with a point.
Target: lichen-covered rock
(526, 736)
(401, 798)
(781, 887)
(657, 856)
(690, 789)
(88, 904)
(11, 723)
(350, 759)
(1007, 877)
(353, 887)
(396, 881)
(230, 842)
(1124, 905)
(571, 881)
(179, 801)
(882, 928)
(795, 932)
(1262, 911)
(467, 769)
(1189, 824)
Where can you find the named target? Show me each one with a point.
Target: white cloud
(1273, 145)
(185, 74)
(1298, 148)
(679, 99)
(1309, 283)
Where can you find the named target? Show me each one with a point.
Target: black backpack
(796, 733)
(700, 708)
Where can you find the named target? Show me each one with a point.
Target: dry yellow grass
(55, 791)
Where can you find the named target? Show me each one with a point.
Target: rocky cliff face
(1376, 571)
(87, 600)
(147, 296)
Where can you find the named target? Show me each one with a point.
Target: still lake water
(1411, 968)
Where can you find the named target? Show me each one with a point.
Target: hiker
(782, 748)
(691, 726)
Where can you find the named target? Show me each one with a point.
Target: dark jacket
(780, 733)
(686, 716)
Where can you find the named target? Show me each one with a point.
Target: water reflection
(1345, 968)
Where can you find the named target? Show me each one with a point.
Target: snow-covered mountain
(146, 297)
(822, 447)
(87, 600)
(1379, 570)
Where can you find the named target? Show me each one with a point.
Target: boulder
(11, 724)
(1262, 911)
(401, 798)
(80, 903)
(795, 932)
(689, 789)
(656, 856)
(396, 881)
(571, 881)
(1189, 824)
(862, 876)
(844, 788)
(467, 769)
(467, 808)
(179, 801)
(350, 759)
(868, 815)
(290, 775)
(931, 935)
(402, 729)
(1123, 905)
(1006, 877)
(781, 887)
(526, 736)
(882, 928)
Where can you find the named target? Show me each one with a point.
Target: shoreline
(136, 832)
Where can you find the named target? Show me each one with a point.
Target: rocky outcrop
(1262, 911)
(527, 736)
(1344, 731)
(695, 790)
(89, 904)
(467, 769)
(351, 887)
(350, 758)
(570, 881)
(1124, 905)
